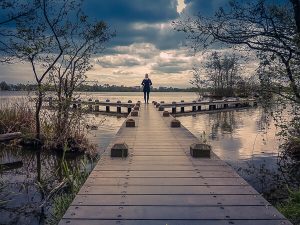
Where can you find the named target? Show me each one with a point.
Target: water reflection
(244, 138)
(27, 187)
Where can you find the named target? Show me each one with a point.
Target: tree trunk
(37, 113)
(296, 7)
(293, 85)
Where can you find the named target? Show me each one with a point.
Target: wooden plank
(165, 200)
(109, 167)
(164, 174)
(172, 212)
(173, 222)
(164, 190)
(127, 162)
(161, 181)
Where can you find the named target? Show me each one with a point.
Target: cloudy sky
(145, 42)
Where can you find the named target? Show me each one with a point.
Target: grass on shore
(74, 179)
(17, 118)
(21, 118)
(291, 207)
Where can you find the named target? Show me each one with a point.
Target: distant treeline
(93, 88)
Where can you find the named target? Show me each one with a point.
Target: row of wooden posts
(94, 106)
(197, 106)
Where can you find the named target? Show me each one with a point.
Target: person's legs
(145, 96)
(148, 96)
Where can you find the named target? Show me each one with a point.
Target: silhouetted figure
(146, 88)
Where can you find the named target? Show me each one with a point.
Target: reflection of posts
(97, 105)
(90, 105)
(50, 101)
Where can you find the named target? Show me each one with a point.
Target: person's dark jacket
(146, 83)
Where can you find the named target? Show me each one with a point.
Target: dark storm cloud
(123, 16)
(132, 10)
(209, 7)
(204, 7)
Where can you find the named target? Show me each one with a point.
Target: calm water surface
(244, 138)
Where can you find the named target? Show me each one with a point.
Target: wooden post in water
(97, 105)
(50, 102)
(194, 107)
(174, 107)
(129, 107)
(182, 107)
(90, 105)
(107, 108)
(161, 108)
(118, 107)
(74, 105)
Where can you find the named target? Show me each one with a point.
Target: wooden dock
(159, 183)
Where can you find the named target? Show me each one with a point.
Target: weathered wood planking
(159, 183)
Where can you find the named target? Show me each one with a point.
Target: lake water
(245, 138)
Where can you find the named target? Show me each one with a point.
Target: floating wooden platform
(159, 183)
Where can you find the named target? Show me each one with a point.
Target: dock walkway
(159, 183)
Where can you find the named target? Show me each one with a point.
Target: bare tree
(219, 73)
(271, 30)
(47, 38)
(81, 41)
(11, 11)
(222, 71)
(198, 81)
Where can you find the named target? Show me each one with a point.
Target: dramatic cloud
(145, 42)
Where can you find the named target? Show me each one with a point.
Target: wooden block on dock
(161, 108)
(134, 113)
(119, 150)
(130, 123)
(166, 114)
(200, 150)
(175, 123)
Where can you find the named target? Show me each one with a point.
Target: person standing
(146, 87)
